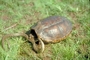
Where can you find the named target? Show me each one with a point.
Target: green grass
(27, 12)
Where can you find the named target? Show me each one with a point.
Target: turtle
(52, 29)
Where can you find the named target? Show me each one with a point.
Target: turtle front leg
(37, 47)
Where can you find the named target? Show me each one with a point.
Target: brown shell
(53, 29)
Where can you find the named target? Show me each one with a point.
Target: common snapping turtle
(49, 30)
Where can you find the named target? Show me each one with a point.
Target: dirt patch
(46, 58)
(5, 17)
(73, 16)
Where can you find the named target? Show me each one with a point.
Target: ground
(23, 14)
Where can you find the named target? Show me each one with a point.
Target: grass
(27, 12)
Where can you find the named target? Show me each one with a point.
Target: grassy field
(26, 13)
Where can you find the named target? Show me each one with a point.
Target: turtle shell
(53, 29)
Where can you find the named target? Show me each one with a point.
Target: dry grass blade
(12, 26)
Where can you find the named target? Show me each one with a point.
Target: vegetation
(26, 13)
